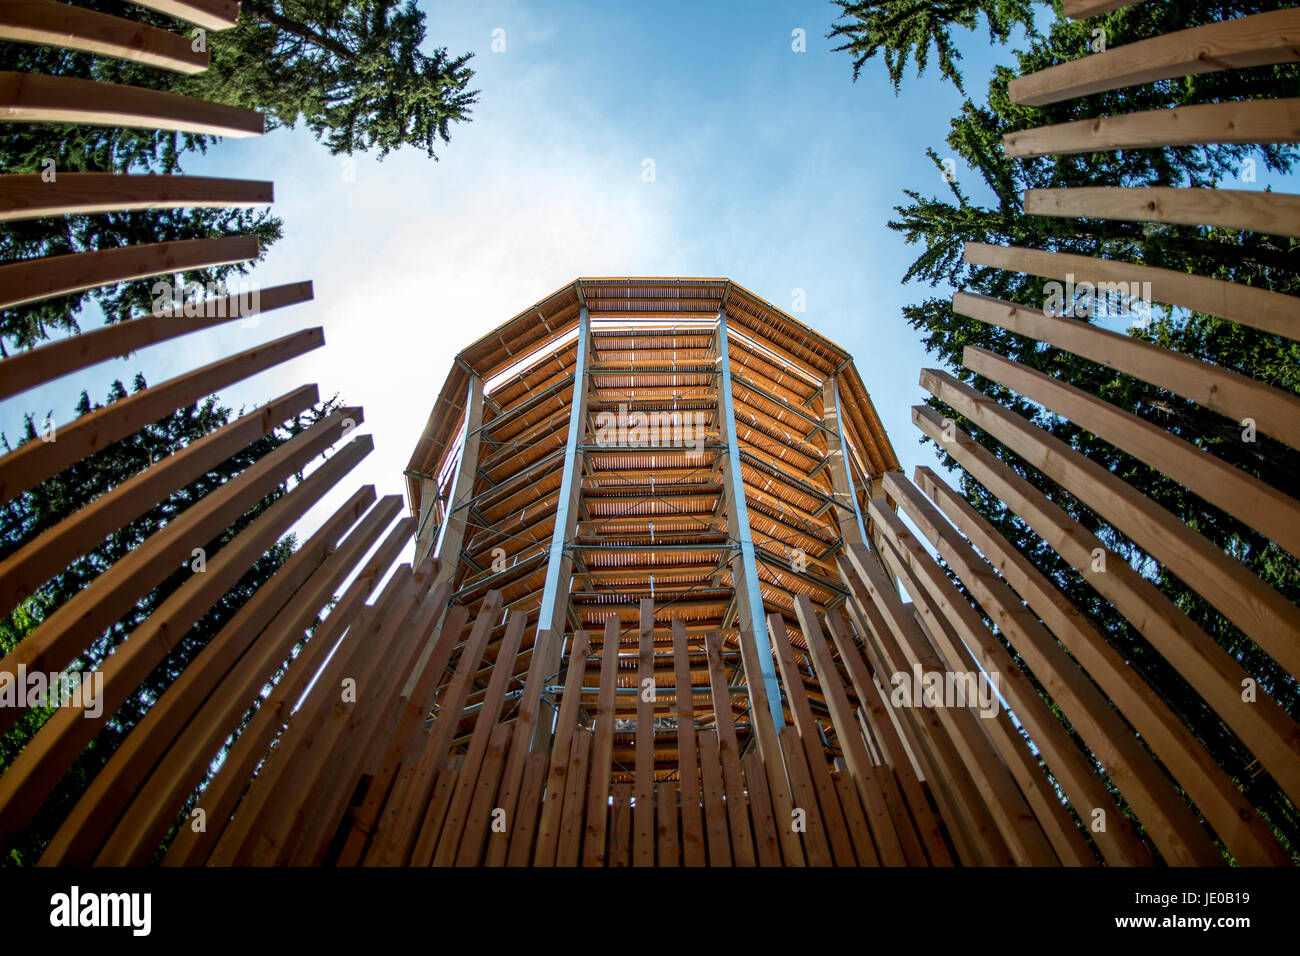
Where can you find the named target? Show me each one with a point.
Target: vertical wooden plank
(715, 813)
(602, 748)
(569, 842)
(895, 748)
(895, 848)
(548, 828)
(832, 816)
(693, 849)
(769, 750)
(483, 819)
(643, 820)
(620, 830)
(502, 671)
(530, 798)
(742, 844)
(805, 799)
(666, 823)
(767, 844)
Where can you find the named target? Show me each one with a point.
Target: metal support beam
(852, 528)
(451, 536)
(744, 565)
(559, 567)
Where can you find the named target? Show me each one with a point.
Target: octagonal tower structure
(673, 439)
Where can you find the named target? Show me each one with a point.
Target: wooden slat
(1245, 122)
(482, 816)
(643, 813)
(693, 848)
(742, 843)
(1078, 9)
(805, 799)
(666, 823)
(951, 636)
(84, 617)
(595, 841)
(503, 670)
(1271, 512)
(711, 788)
(30, 280)
(29, 98)
(54, 359)
(897, 847)
(569, 842)
(264, 821)
(953, 727)
(1219, 800)
(76, 28)
(1257, 40)
(832, 816)
(530, 798)
(548, 828)
(769, 748)
(620, 825)
(918, 737)
(520, 748)
(1222, 390)
(1258, 308)
(1261, 612)
(29, 196)
(927, 827)
(212, 14)
(66, 733)
(400, 827)
(404, 747)
(223, 792)
(38, 560)
(1166, 818)
(1215, 675)
(1273, 213)
(767, 846)
(32, 462)
(329, 791)
(1071, 767)
(115, 785)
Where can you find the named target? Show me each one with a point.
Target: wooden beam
(61, 739)
(55, 359)
(29, 98)
(30, 280)
(1273, 213)
(1261, 612)
(34, 461)
(643, 814)
(1217, 676)
(1078, 9)
(76, 28)
(1245, 122)
(213, 14)
(1223, 805)
(1273, 513)
(31, 565)
(1222, 390)
(1257, 40)
(30, 196)
(1258, 308)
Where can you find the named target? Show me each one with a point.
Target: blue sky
(772, 168)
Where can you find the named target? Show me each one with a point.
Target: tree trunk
(265, 12)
